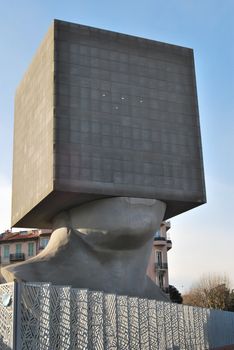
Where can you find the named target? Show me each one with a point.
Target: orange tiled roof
(23, 235)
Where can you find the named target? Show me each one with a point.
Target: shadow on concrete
(219, 329)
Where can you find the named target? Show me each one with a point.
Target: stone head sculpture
(107, 144)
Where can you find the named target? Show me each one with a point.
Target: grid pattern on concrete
(105, 114)
(126, 116)
(33, 132)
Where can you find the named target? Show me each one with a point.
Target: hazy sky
(203, 239)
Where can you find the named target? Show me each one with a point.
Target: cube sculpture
(101, 114)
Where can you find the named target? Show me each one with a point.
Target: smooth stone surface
(102, 245)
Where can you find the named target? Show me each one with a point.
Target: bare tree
(211, 291)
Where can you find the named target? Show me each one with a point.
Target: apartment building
(158, 264)
(23, 245)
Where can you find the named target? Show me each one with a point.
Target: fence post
(17, 316)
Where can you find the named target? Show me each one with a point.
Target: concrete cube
(102, 114)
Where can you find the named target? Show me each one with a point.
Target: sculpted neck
(109, 241)
(102, 245)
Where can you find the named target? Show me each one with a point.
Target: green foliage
(175, 295)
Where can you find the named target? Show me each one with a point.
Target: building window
(160, 280)
(158, 256)
(157, 234)
(43, 242)
(18, 248)
(6, 250)
(31, 249)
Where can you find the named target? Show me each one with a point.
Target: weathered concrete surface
(102, 245)
(33, 133)
(102, 114)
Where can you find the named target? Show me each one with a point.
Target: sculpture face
(115, 223)
(101, 245)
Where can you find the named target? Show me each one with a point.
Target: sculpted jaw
(108, 240)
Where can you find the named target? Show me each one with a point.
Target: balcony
(17, 257)
(161, 266)
(169, 244)
(160, 241)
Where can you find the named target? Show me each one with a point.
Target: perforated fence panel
(52, 317)
(7, 305)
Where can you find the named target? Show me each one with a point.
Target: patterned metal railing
(59, 317)
(17, 257)
(161, 266)
(7, 312)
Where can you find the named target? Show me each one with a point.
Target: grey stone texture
(101, 245)
(33, 133)
(101, 114)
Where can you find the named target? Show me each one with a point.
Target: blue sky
(203, 238)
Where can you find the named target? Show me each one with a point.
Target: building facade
(23, 245)
(158, 262)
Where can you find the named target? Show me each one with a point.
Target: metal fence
(47, 317)
(7, 316)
